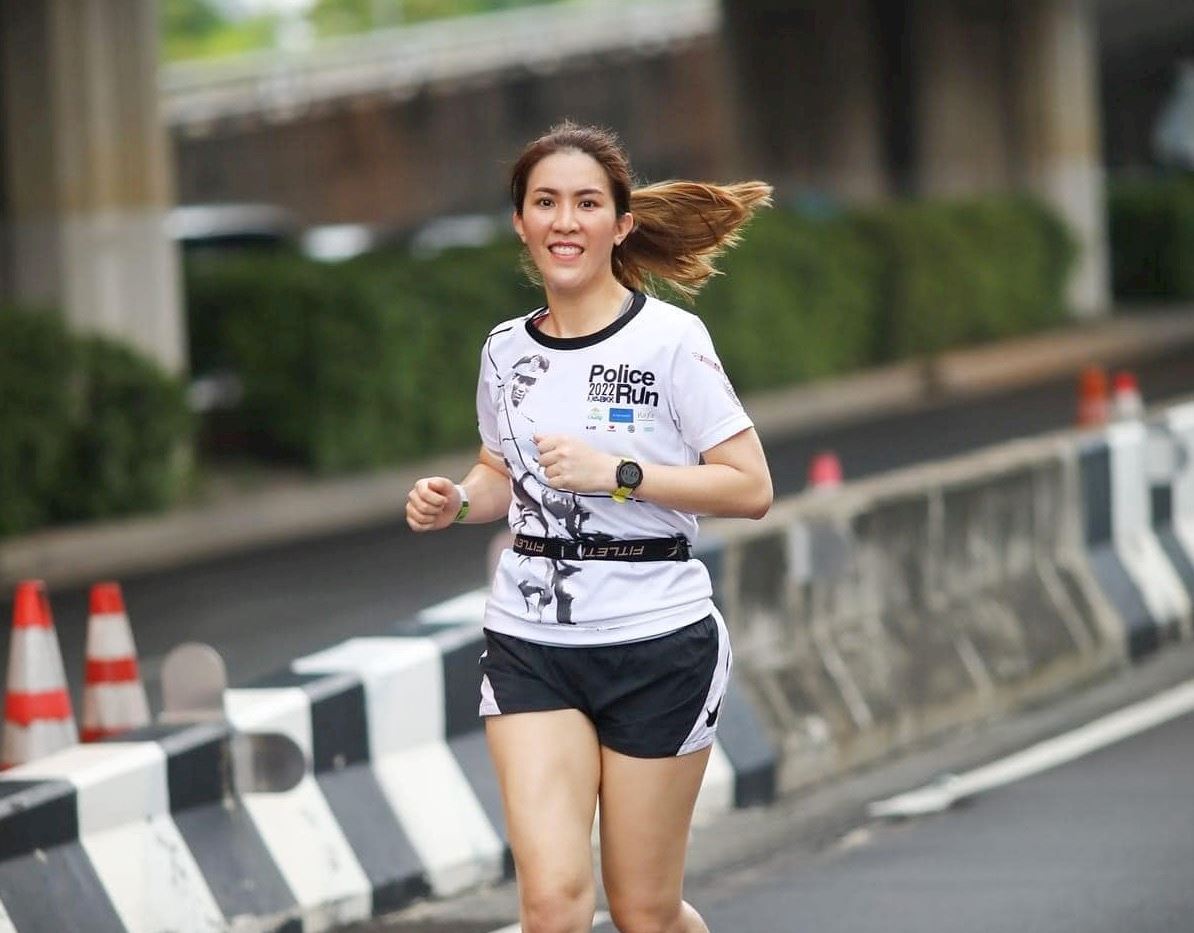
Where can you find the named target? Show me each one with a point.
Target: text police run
(622, 385)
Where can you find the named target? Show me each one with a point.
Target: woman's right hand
(432, 504)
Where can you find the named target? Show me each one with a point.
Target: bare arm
(433, 501)
(733, 482)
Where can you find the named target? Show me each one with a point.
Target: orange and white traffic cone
(1126, 402)
(1094, 405)
(38, 719)
(114, 698)
(825, 471)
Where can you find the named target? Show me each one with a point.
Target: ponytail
(681, 228)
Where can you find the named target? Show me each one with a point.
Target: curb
(296, 509)
(970, 372)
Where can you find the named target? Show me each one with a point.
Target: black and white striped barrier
(397, 799)
(142, 834)
(1172, 478)
(1127, 558)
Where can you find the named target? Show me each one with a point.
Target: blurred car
(232, 227)
(457, 230)
(1173, 135)
(339, 242)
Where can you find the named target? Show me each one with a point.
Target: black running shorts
(648, 699)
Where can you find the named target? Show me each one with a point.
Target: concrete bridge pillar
(962, 132)
(86, 178)
(851, 136)
(1007, 97)
(808, 83)
(1055, 114)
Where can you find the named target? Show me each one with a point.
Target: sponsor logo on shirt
(595, 414)
(622, 415)
(622, 385)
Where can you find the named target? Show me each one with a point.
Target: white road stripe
(933, 798)
(599, 917)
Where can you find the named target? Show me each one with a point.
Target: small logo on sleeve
(725, 380)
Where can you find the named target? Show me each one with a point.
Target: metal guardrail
(396, 62)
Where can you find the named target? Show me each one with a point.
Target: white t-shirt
(648, 387)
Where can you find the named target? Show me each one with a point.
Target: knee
(645, 915)
(560, 907)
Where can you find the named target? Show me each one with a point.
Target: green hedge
(356, 365)
(88, 428)
(36, 365)
(129, 445)
(798, 300)
(955, 274)
(375, 361)
(1151, 230)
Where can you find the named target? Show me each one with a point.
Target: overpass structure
(401, 126)
(397, 63)
(851, 99)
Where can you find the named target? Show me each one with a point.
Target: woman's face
(569, 222)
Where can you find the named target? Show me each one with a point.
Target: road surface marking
(942, 794)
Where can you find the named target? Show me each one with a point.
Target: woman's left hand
(571, 464)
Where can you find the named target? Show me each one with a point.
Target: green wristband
(463, 503)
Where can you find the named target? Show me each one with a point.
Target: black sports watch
(628, 476)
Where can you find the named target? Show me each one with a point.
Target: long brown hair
(680, 227)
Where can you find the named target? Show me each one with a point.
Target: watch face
(630, 474)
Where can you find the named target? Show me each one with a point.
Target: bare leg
(646, 811)
(549, 768)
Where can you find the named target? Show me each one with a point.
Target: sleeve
(706, 406)
(487, 398)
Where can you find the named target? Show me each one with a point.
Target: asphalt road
(261, 608)
(1104, 844)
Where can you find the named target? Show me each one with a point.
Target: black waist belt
(631, 549)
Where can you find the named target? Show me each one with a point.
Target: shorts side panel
(704, 729)
(519, 677)
(659, 688)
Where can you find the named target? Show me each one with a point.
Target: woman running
(607, 425)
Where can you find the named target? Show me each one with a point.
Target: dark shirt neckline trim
(588, 340)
